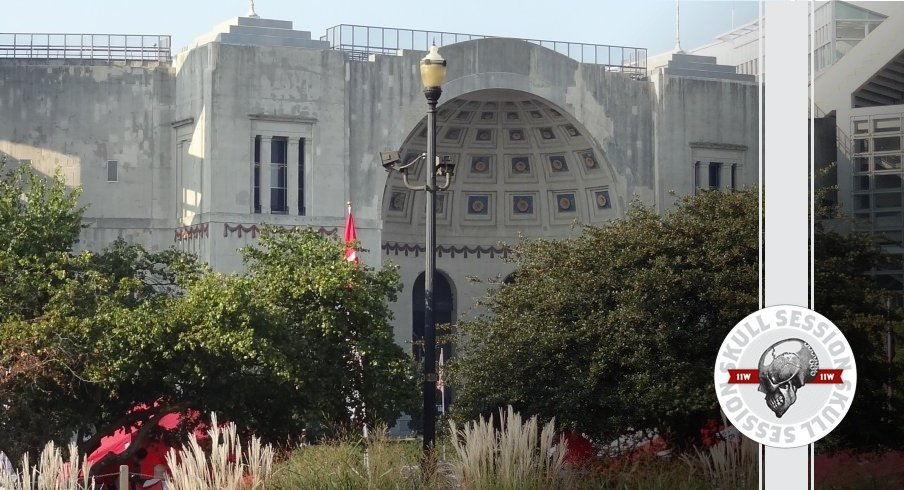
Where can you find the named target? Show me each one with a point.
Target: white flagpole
(442, 386)
(357, 391)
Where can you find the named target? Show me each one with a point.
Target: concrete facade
(861, 96)
(542, 142)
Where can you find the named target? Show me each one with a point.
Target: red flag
(351, 235)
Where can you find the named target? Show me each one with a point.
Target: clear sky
(639, 23)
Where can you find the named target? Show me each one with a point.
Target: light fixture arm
(446, 183)
(408, 185)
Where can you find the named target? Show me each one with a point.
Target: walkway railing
(109, 47)
(361, 41)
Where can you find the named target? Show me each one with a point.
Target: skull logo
(784, 368)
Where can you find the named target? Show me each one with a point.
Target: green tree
(93, 342)
(862, 309)
(617, 329)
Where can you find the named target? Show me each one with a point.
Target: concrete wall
(700, 118)
(77, 115)
(232, 92)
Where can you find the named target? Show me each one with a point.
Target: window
(257, 174)
(887, 200)
(112, 171)
(887, 162)
(890, 181)
(301, 210)
(718, 169)
(279, 162)
(885, 125)
(714, 171)
(888, 143)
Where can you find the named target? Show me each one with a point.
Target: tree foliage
(92, 342)
(618, 328)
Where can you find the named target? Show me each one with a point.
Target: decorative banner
(752, 376)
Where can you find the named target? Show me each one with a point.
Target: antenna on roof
(678, 28)
(251, 13)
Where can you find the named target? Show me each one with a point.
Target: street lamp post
(433, 72)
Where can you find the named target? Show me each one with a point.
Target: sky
(637, 23)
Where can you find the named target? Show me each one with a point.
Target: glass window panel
(861, 201)
(843, 46)
(257, 188)
(279, 150)
(890, 181)
(861, 145)
(257, 149)
(278, 176)
(278, 200)
(861, 183)
(861, 127)
(888, 143)
(846, 29)
(714, 171)
(892, 200)
(847, 11)
(889, 281)
(862, 221)
(888, 219)
(301, 209)
(892, 236)
(887, 125)
(887, 162)
(861, 164)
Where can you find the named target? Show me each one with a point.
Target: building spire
(251, 13)
(678, 28)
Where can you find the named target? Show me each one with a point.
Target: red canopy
(156, 450)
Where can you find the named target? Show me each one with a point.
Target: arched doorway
(443, 317)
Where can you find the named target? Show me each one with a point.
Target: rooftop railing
(362, 41)
(109, 47)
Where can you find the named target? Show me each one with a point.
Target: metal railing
(109, 47)
(362, 41)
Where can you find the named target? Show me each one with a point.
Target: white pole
(678, 27)
(123, 477)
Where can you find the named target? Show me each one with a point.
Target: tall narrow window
(697, 182)
(714, 170)
(734, 176)
(301, 210)
(257, 174)
(112, 171)
(279, 175)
